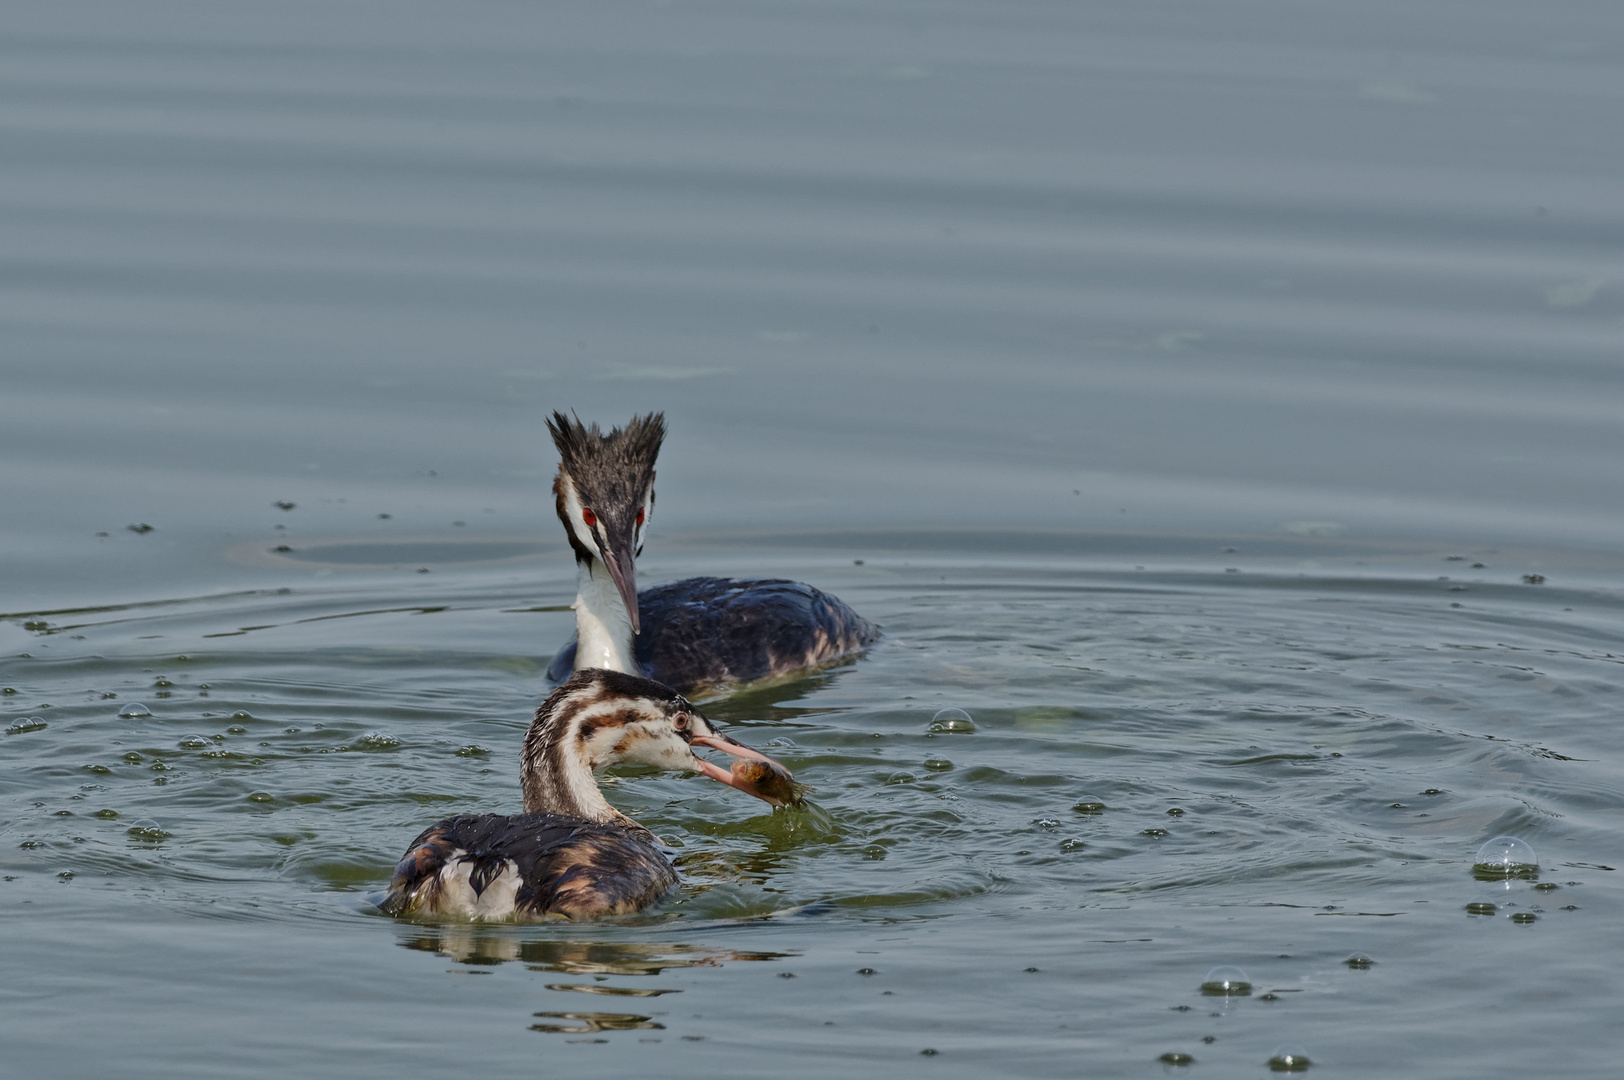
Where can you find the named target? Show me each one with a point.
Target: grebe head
(605, 493)
(598, 718)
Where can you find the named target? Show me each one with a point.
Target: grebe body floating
(570, 853)
(697, 632)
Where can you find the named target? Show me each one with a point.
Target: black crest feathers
(587, 454)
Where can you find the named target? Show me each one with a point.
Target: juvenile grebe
(690, 633)
(570, 853)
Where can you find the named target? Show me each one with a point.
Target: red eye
(640, 515)
(589, 517)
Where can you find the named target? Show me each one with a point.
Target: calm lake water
(1221, 403)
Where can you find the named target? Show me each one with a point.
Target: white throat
(603, 629)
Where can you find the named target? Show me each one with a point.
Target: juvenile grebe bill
(570, 853)
(689, 634)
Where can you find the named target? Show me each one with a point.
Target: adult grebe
(570, 853)
(690, 633)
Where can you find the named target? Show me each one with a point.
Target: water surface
(1219, 402)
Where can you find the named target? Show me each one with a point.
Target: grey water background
(1200, 385)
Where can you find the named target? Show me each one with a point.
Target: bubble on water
(1522, 918)
(1072, 844)
(937, 764)
(1289, 1057)
(133, 710)
(147, 829)
(1088, 805)
(236, 729)
(162, 683)
(195, 742)
(1505, 857)
(1359, 961)
(377, 740)
(901, 778)
(107, 815)
(1157, 833)
(1226, 980)
(952, 722)
(472, 750)
(1174, 1057)
(260, 796)
(25, 724)
(1480, 905)
(240, 715)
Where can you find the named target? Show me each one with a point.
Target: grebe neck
(557, 778)
(603, 629)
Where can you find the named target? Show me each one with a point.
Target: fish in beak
(754, 773)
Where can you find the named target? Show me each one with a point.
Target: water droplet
(133, 710)
(1505, 857)
(195, 742)
(937, 764)
(1226, 980)
(146, 829)
(952, 722)
(1289, 1058)
(867, 971)
(1175, 811)
(25, 724)
(1088, 805)
(1173, 1057)
(1359, 961)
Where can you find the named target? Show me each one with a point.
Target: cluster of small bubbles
(1174, 1057)
(377, 740)
(1289, 1058)
(1226, 980)
(471, 750)
(25, 724)
(1046, 823)
(147, 829)
(937, 764)
(952, 722)
(195, 742)
(1088, 805)
(133, 710)
(1359, 961)
(1505, 857)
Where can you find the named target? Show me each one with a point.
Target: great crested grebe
(691, 633)
(570, 853)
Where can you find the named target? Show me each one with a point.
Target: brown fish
(767, 780)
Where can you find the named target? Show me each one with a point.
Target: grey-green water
(1218, 400)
